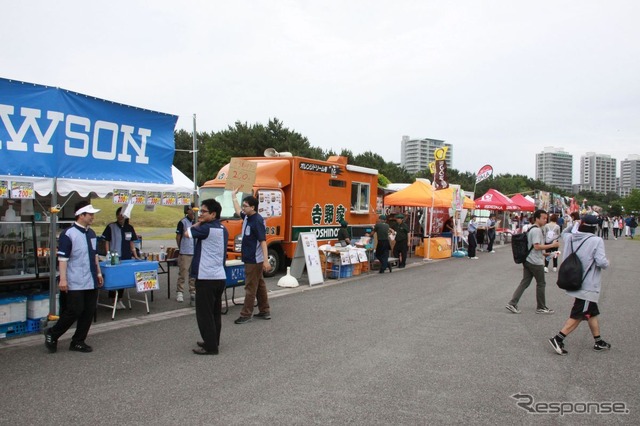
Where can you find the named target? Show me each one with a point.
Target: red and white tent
(523, 203)
(495, 200)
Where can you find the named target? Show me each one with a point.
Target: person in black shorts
(590, 250)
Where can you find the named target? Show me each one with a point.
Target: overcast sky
(499, 80)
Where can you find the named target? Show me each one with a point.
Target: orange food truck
(295, 195)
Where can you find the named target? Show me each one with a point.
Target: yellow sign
(432, 167)
(147, 281)
(440, 153)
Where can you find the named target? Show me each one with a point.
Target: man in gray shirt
(533, 266)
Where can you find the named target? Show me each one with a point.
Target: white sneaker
(546, 269)
(492, 251)
(555, 269)
(120, 305)
(474, 258)
(179, 297)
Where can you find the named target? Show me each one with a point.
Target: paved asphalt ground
(430, 344)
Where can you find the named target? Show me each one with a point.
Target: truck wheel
(274, 261)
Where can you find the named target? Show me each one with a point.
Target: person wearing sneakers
(207, 269)
(472, 237)
(401, 247)
(80, 278)
(533, 266)
(381, 229)
(185, 255)
(551, 234)
(491, 232)
(120, 237)
(585, 305)
(255, 258)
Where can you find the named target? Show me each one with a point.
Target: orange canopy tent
(422, 194)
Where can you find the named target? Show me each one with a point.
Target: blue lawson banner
(50, 132)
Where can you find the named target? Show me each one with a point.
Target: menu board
(22, 190)
(270, 203)
(154, 198)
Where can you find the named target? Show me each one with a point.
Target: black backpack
(570, 274)
(520, 246)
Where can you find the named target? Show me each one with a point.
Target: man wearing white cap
(80, 278)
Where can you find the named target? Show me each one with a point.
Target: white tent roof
(102, 188)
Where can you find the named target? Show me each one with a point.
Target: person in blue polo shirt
(120, 237)
(80, 277)
(255, 257)
(208, 270)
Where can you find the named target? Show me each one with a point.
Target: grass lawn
(159, 224)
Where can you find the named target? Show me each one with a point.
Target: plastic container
(235, 273)
(38, 305)
(123, 275)
(13, 309)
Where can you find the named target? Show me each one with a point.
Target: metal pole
(433, 194)
(53, 249)
(195, 162)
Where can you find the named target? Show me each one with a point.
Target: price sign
(169, 199)
(22, 190)
(154, 198)
(138, 197)
(184, 198)
(242, 175)
(4, 189)
(147, 281)
(120, 196)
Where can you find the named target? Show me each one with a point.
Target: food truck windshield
(223, 196)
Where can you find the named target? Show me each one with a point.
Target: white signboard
(307, 254)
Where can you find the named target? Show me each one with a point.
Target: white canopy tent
(102, 188)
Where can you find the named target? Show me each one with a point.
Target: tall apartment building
(554, 167)
(418, 153)
(598, 172)
(629, 174)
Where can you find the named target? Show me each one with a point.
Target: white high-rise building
(418, 153)
(629, 174)
(598, 172)
(554, 166)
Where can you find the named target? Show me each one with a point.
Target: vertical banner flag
(485, 172)
(52, 132)
(440, 176)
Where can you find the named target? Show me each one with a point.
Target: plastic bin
(123, 275)
(13, 329)
(235, 273)
(346, 271)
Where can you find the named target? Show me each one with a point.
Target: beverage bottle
(162, 254)
(113, 258)
(108, 257)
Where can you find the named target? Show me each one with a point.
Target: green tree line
(215, 149)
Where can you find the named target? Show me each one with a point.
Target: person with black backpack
(533, 266)
(590, 250)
